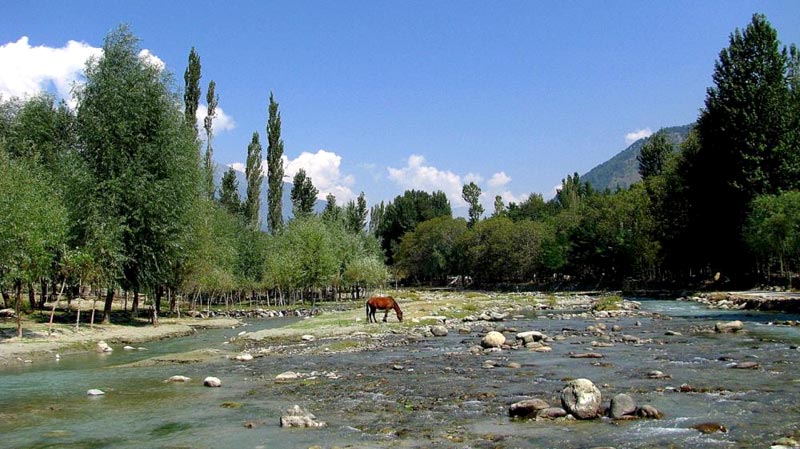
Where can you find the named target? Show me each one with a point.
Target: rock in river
(103, 347)
(527, 408)
(439, 331)
(212, 382)
(622, 405)
(95, 392)
(724, 327)
(493, 339)
(297, 416)
(178, 379)
(581, 398)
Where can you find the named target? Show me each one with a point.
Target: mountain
(319, 205)
(622, 170)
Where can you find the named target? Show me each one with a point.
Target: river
(429, 393)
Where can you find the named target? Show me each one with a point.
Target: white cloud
(419, 176)
(27, 70)
(636, 135)
(222, 122)
(240, 167)
(499, 179)
(148, 57)
(323, 167)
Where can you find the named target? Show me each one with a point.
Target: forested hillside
(622, 170)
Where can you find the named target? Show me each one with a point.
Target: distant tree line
(724, 207)
(118, 195)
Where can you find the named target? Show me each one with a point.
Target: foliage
(654, 155)
(773, 231)
(432, 250)
(191, 92)
(255, 178)
(274, 168)
(303, 195)
(355, 215)
(229, 193)
(212, 99)
(404, 213)
(471, 193)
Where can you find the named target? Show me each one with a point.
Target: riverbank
(65, 338)
(750, 300)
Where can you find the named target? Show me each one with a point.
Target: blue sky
(383, 96)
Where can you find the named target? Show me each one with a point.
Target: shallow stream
(429, 393)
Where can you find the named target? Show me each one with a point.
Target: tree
(332, 213)
(499, 206)
(741, 132)
(255, 177)
(773, 231)
(404, 213)
(572, 192)
(471, 194)
(274, 168)
(229, 193)
(356, 214)
(213, 99)
(653, 155)
(141, 159)
(303, 195)
(432, 250)
(191, 93)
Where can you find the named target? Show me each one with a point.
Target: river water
(429, 393)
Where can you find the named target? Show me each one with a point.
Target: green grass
(608, 303)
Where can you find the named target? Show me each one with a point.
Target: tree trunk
(108, 304)
(43, 297)
(53, 309)
(17, 306)
(32, 296)
(6, 299)
(159, 294)
(135, 305)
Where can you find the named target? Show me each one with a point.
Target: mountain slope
(622, 170)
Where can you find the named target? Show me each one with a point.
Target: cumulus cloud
(324, 169)
(638, 134)
(222, 122)
(26, 70)
(417, 174)
(151, 59)
(240, 167)
(499, 179)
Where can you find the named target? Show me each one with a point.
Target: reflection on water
(440, 395)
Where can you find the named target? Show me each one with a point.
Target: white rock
(288, 375)
(212, 382)
(244, 357)
(95, 392)
(128, 348)
(493, 339)
(308, 338)
(103, 347)
(178, 379)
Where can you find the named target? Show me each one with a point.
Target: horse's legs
(385, 314)
(371, 315)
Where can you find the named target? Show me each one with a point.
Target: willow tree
(142, 161)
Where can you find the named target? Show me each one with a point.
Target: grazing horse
(383, 303)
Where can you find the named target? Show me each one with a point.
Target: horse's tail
(367, 307)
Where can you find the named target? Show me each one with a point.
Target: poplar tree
(254, 177)
(191, 93)
(212, 98)
(332, 213)
(471, 194)
(229, 193)
(274, 168)
(654, 155)
(356, 214)
(303, 195)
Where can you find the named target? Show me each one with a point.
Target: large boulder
(103, 347)
(581, 398)
(439, 330)
(622, 405)
(493, 339)
(297, 416)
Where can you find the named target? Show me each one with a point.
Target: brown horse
(384, 303)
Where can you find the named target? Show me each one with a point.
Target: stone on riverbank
(493, 339)
(297, 416)
(287, 375)
(103, 347)
(727, 327)
(95, 392)
(648, 411)
(746, 365)
(581, 398)
(212, 382)
(244, 357)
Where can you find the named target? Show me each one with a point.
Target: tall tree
(654, 155)
(229, 193)
(741, 131)
(499, 206)
(212, 98)
(191, 92)
(332, 213)
(303, 195)
(471, 194)
(274, 168)
(142, 161)
(255, 178)
(356, 214)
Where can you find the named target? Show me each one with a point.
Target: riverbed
(424, 392)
